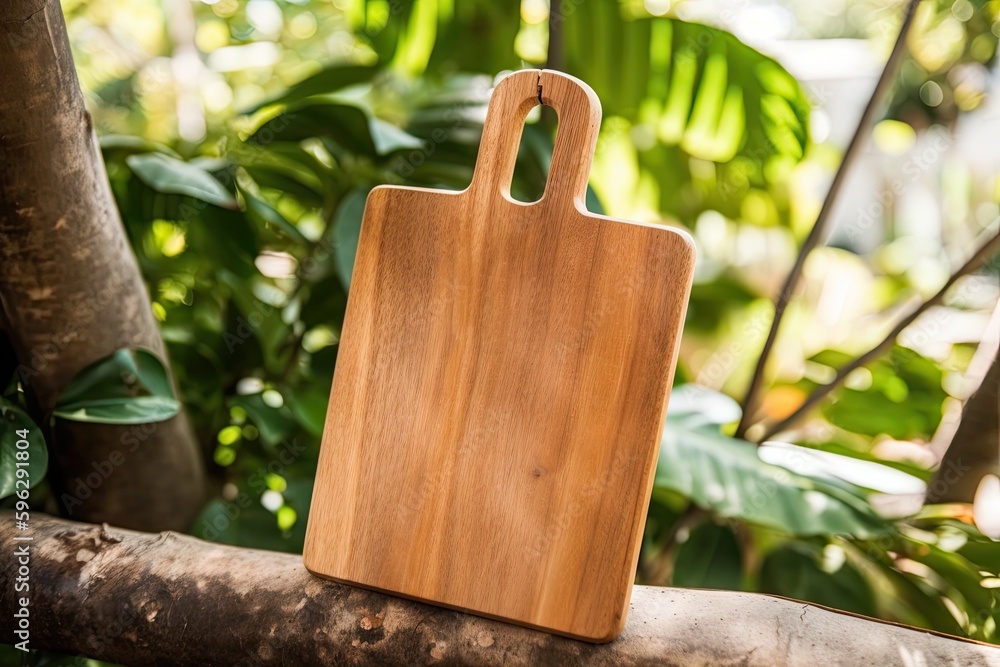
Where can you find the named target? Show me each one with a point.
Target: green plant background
(245, 215)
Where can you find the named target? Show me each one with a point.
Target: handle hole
(534, 154)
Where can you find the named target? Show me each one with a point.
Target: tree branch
(144, 599)
(973, 378)
(975, 448)
(555, 55)
(818, 230)
(70, 284)
(985, 252)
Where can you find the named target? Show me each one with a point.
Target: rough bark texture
(69, 284)
(975, 448)
(167, 599)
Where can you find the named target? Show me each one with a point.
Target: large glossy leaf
(126, 387)
(471, 36)
(692, 91)
(956, 560)
(710, 558)
(169, 175)
(701, 87)
(20, 438)
(727, 476)
(350, 127)
(826, 465)
(328, 80)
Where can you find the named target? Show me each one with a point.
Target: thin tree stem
(555, 56)
(819, 229)
(985, 252)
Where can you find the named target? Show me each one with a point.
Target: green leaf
(137, 410)
(727, 476)
(389, 138)
(287, 181)
(695, 406)
(264, 214)
(846, 451)
(710, 558)
(692, 91)
(430, 36)
(958, 572)
(126, 387)
(702, 87)
(826, 465)
(903, 399)
(172, 176)
(124, 145)
(346, 231)
(349, 126)
(793, 570)
(924, 606)
(15, 424)
(984, 552)
(327, 80)
(593, 202)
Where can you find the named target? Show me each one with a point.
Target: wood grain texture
(501, 387)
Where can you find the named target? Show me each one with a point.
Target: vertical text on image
(22, 547)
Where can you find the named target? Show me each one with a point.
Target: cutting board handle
(579, 113)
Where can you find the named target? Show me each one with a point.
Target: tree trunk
(168, 599)
(70, 286)
(975, 448)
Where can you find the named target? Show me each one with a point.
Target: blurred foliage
(954, 45)
(242, 138)
(933, 570)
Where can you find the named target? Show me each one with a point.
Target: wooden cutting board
(501, 387)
